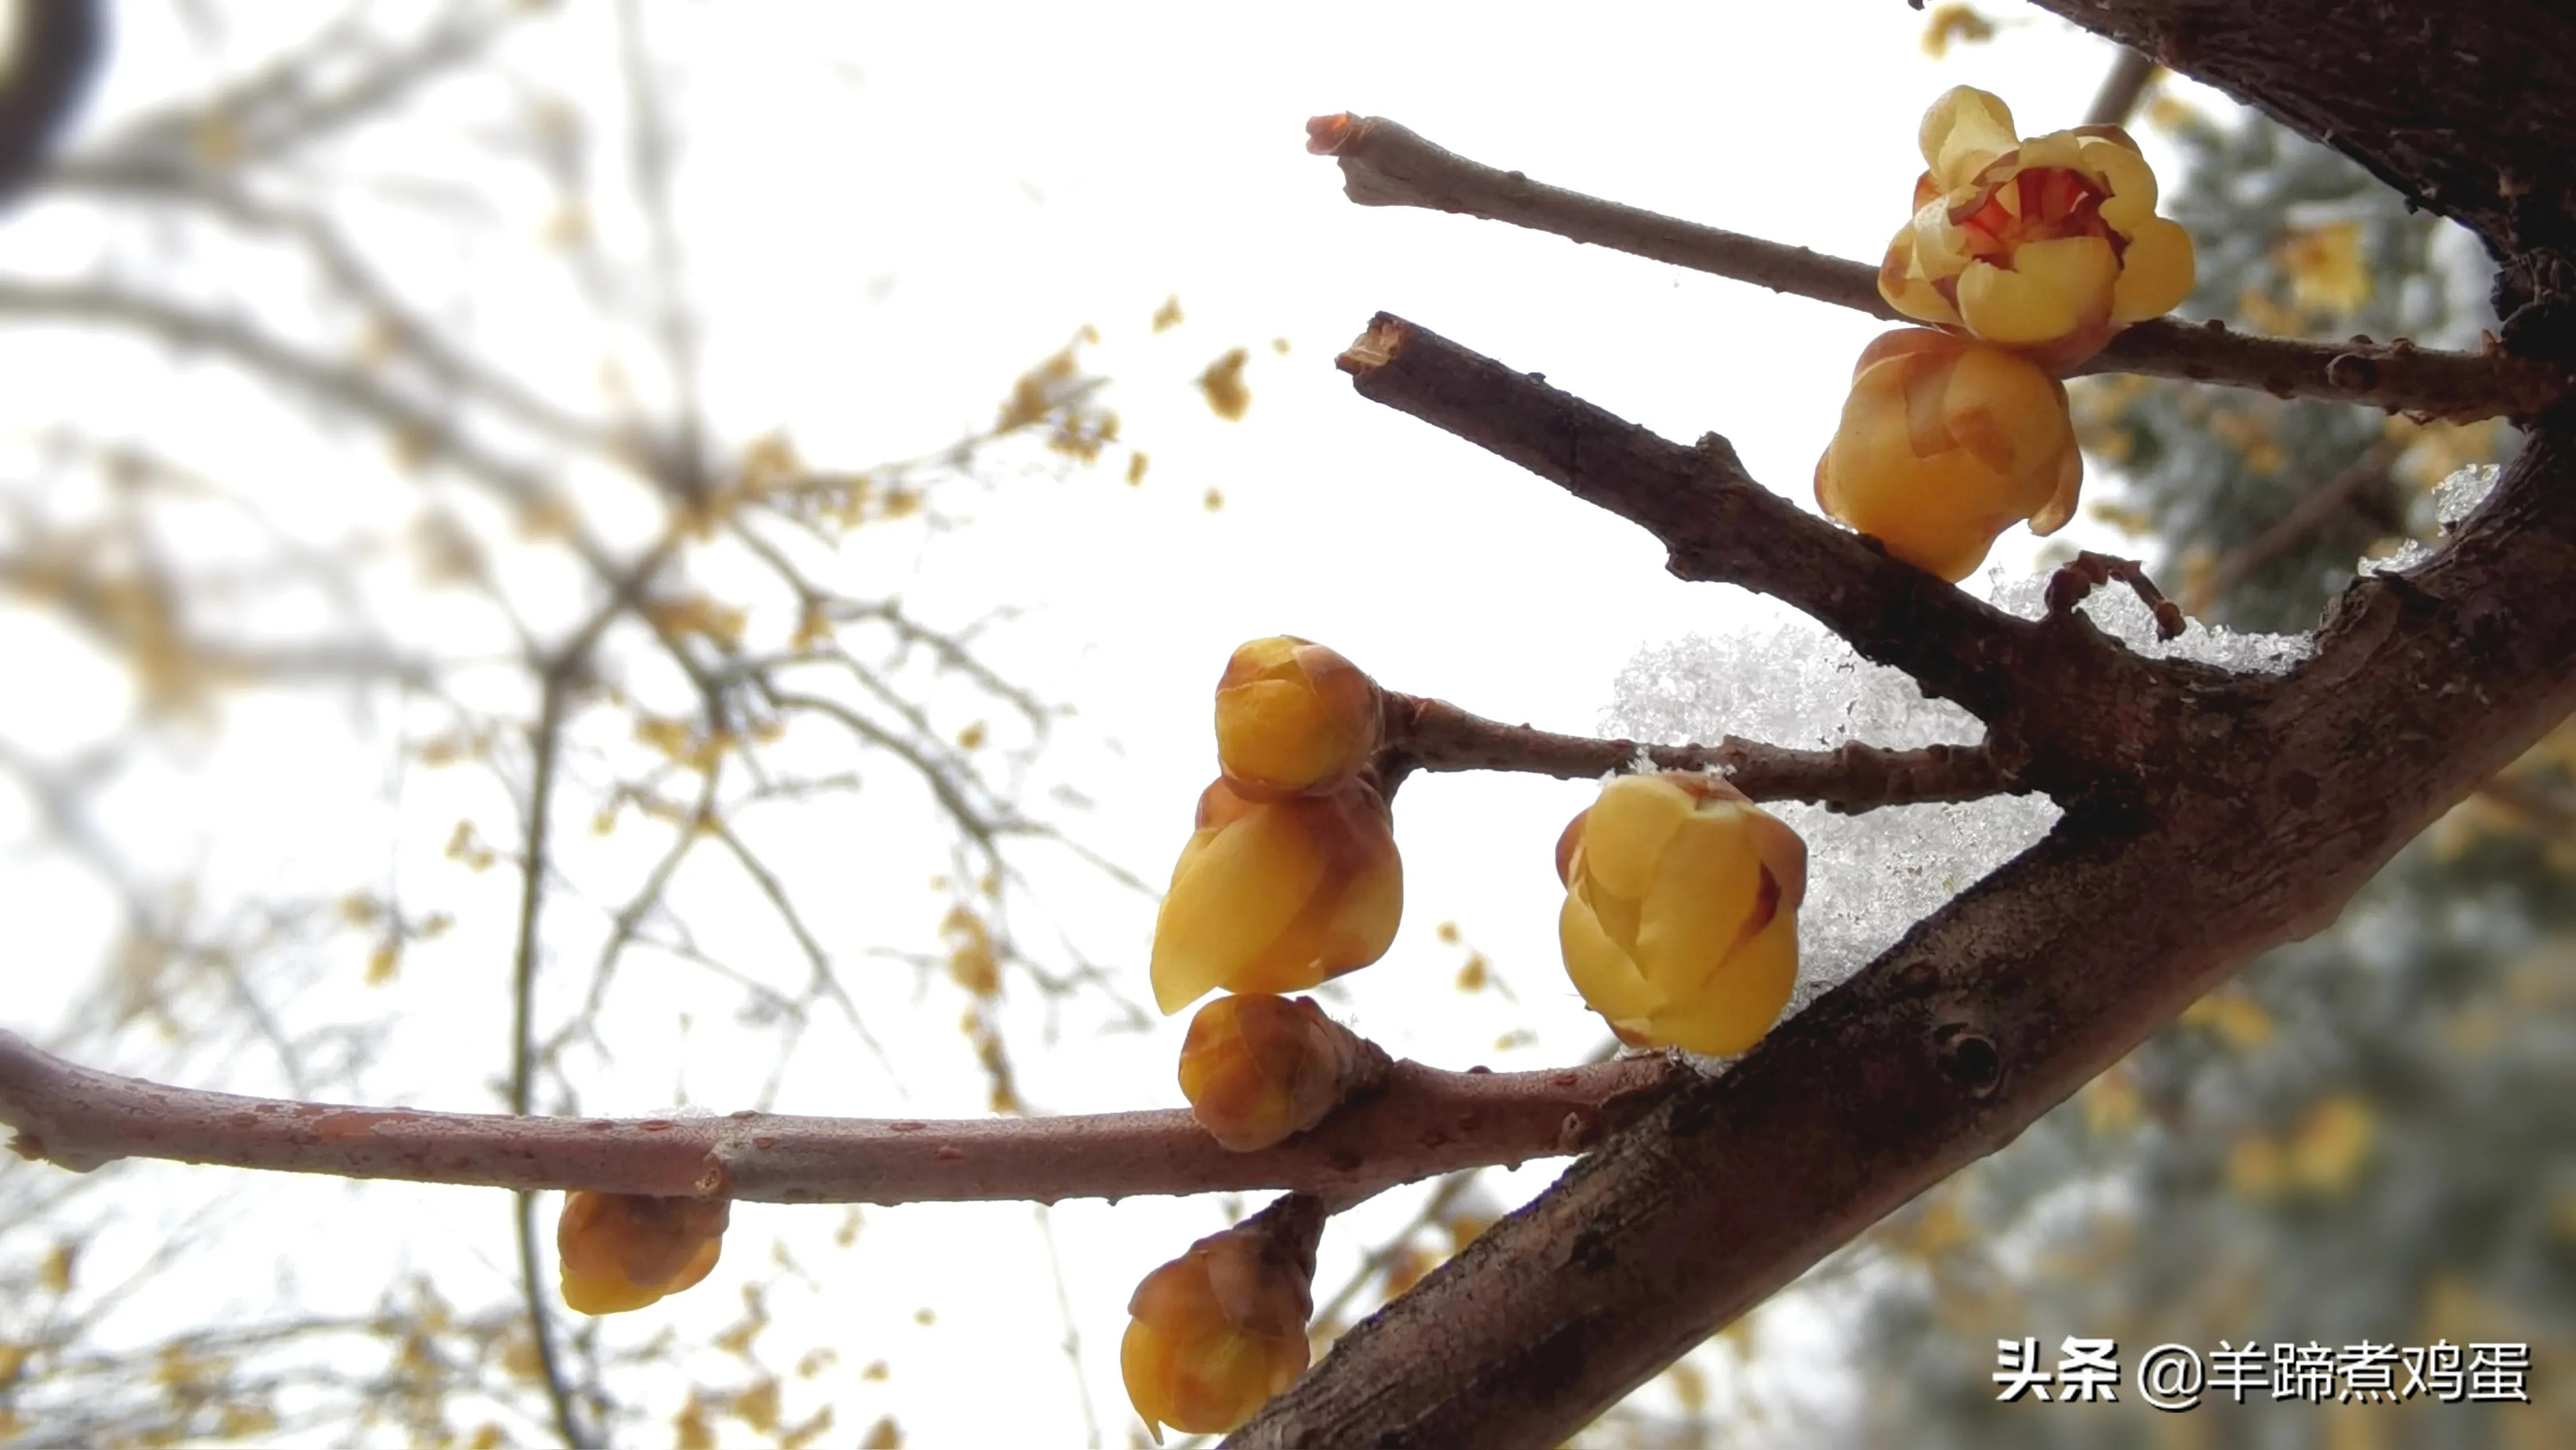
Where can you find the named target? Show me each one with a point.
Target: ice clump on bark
(2454, 499)
(1787, 681)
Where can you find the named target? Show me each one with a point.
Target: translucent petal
(2011, 308)
(1705, 887)
(2155, 273)
(1736, 1006)
(1609, 981)
(2082, 269)
(1242, 889)
(1964, 129)
(1630, 823)
(2131, 181)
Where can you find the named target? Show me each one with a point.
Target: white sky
(889, 210)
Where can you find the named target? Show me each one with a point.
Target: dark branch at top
(1384, 164)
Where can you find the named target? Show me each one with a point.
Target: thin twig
(1427, 734)
(547, 744)
(1425, 1122)
(1385, 164)
(2089, 571)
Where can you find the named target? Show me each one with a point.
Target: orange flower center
(2043, 204)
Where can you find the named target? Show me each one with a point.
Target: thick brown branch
(1384, 164)
(1425, 1122)
(1427, 734)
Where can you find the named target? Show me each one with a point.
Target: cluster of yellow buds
(1259, 1068)
(623, 1251)
(1680, 923)
(2028, 255)
(1291, 876)
(1213, 1334)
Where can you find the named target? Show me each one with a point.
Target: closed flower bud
(623, 1251)
(2048, 245)
(1681, 911)
(1276, 896)
(1293, 717)
(1257, 1068)
(1945, 443)
(1216, 1332)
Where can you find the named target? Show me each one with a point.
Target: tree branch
(1427, 734)
(2067, 711)
(1385, 164)
(1425, 1122)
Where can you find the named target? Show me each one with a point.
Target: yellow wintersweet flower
(1946, 442)
(1213, 1334)
(2048, 245)
(1293, 717)
(1258, 1068)
(1277, 896)
(623, 1251)
(1681, 911)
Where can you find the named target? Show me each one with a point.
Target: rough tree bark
(2261, 805)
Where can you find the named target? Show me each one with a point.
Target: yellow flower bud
(2048, 245)
(623, 1251)
(1946, 442)
(1293, 717)
(1277, 896)
(1681, 911)
(1258, 1068)
(1216, 1332)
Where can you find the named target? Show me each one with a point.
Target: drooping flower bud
(1277, 896)
(2048, 246)
(1946, 442)
(1258, 1068)
(1216, 1332)
(623, 1251)
(1293, 717)
(1681, 911)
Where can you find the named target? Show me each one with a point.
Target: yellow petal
(1607, 978)
(2066, 487)
(1738, 1004)
(2155, 272)
(1629, 825)
(1705, 886)
(1963, 130)
(2012, 308)
(1902, 283)
(1242, 889)
(2132, 183)
(2082, 269)
(2057, 148)
(602, 1294)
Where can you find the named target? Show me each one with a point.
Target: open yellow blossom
(1258, 1068)
(1681, 911)
(1213, 1334)
(1293, 717)
(1946, 442)
(2048, 245)
(1277, 896)
(623, 1251)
